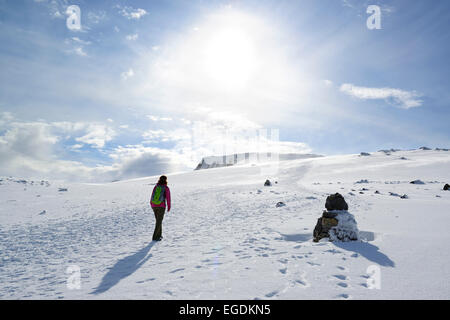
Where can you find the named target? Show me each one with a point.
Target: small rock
(280, 204)
(364, 154)
(43, 212)
(63, 190)
(417, 182)
(447, 187)
(404, 197)
(267, 183)
(362, 181)
(336, 202)
(377, 192)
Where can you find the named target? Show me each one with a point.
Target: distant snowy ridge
(249, 157)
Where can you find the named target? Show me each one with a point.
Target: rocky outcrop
(336, 224)
(447, 187)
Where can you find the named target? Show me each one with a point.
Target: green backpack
(158, 195)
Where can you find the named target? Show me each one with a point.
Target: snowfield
(226, 239)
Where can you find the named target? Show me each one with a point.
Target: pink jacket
(162, 204)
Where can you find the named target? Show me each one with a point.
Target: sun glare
(230, 57)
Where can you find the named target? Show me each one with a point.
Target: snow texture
(224, 237)
(346, 230)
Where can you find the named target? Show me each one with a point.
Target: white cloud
(131, 13)
(33, 149)
(139, 161)
(96, 17)
(56, 7)
(82, 42)
(132, 37)
(5, 118)
(155, 118)
(396, 97)
(80, 51)
(36, 149)
(97, 135)
(127, 74)
(27, 139)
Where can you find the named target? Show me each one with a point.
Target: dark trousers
(159, 216)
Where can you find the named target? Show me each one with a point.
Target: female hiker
(160, 195)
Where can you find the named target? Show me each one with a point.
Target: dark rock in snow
(267, 183)
(364, 154)
(280, 204)
(377, 192)
(404, 197)
(447, 187)
(417, 182)
(336, 202)
(42, 213)
(336, 225)
(424, 148)
(63, 190)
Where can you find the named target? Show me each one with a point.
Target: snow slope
(226, 239)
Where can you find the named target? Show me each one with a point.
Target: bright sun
(230, 56)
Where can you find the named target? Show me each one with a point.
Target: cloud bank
(399, 98)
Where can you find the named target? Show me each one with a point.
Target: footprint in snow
(340, 276)
(176, 270)
(313, 264)
(271, 294)
(301, 282)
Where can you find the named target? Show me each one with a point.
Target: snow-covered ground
(226, 239)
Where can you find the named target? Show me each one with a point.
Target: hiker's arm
(168, 199)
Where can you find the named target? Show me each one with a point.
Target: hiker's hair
(162, 180)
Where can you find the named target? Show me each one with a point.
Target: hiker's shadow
(123, 268)
(368, 251)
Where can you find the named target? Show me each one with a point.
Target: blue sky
(147, 87)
